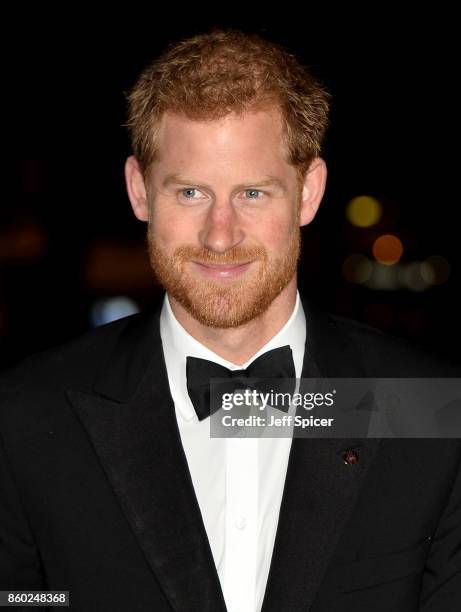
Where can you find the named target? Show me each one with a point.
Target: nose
(221, 230)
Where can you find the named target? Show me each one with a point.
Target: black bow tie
(277, 363)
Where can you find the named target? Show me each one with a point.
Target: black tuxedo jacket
(96, 496)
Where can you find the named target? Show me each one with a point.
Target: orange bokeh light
(387, 249)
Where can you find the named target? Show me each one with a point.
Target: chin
(225, 304)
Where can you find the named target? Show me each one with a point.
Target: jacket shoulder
(79, 353)
(383, 354)
(34, 382)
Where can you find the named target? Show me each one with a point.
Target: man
(111, 486)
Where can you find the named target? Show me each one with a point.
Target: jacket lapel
(320, 489)
(129, 416)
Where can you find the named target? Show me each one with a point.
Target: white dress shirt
(238, 482)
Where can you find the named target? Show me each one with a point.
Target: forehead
(250, 138)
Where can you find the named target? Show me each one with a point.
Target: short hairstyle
(210, 75)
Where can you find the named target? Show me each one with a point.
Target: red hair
(211, 75)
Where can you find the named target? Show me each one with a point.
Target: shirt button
(241, 522)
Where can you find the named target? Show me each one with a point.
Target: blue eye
(252, 193)
(187, 192)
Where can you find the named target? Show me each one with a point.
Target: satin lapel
(320, 489)
(129, 416)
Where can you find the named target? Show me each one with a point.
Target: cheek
(170, 228)
(275, 232)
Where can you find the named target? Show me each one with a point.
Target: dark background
(67, 234)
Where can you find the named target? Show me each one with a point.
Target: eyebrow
(177, 179)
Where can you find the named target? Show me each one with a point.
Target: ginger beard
(224, 303)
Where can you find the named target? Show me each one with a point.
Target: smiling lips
(222, 270)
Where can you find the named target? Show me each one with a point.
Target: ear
(136, 188)
(313, 190)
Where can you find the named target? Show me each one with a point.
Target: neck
(239, 344)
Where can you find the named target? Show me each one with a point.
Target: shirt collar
(178, 344)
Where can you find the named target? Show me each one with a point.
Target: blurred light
(384, 277)
(357, 268)
(364, 211)
(23, 243)
(411, 277)
(387, 249)
(435, 270)
(110, 309)
(117, 268)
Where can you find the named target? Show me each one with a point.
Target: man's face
(223, 223)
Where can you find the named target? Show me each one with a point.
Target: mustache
(234, 256)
